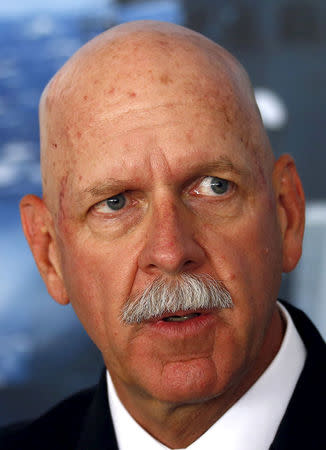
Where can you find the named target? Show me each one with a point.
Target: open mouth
(181, 318)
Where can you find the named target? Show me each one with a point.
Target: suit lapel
(97, 431)
(302, 426)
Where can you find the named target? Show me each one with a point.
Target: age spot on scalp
(165, 79)
(162, 43)
(226, 112)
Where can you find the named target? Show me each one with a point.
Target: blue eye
(219, 185)
(213, 186)
(117, 202)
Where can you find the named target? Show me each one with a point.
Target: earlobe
(291, 209)
(35, 219)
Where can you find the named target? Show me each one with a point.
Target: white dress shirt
(250, 424)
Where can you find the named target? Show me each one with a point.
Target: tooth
(181, 318)
(176, 318)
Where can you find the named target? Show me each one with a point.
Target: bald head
(113, 77)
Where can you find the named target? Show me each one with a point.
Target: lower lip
(189, 327)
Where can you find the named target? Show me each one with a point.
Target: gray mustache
(184, 293)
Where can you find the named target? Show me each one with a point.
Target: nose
(170, 246)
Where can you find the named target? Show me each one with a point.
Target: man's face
(188, 192)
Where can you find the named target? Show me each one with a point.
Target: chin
(187, 382)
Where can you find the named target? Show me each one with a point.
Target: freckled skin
(165, 79)
(62, 193)
(189, 136)
(156, 143)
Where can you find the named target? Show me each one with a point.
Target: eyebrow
(112, 186)
(109, 185)
(224, 164)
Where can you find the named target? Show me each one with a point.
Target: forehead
(167, 144)
(145, 102)
(110, 78)
(111, 107)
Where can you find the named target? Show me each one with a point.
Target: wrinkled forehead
(144, 65)
(113, 82)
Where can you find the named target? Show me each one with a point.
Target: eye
(213, 185)
(114, 203)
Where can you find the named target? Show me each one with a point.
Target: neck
(179, 425)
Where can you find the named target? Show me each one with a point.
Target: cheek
(246, 254)
(244, 248)
(98, 284)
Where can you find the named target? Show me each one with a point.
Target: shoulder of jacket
(57, 428)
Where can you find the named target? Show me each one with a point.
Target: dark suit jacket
(83, 422)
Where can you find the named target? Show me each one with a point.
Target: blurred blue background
(44, 352)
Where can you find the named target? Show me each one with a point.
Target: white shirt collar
(251, 422)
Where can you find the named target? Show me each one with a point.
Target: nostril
(188, 263)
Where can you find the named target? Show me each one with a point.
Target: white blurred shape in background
(272, 109)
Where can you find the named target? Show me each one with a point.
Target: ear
(290, 204)
(37, 226)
